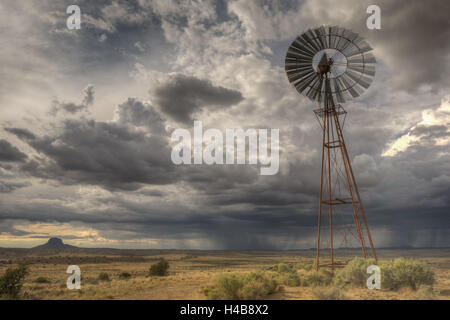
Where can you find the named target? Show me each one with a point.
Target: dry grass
(192, 271)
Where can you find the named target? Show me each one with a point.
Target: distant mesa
(54, 243)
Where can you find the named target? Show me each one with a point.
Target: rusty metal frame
(330, 115)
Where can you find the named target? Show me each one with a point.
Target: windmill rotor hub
(332, 65)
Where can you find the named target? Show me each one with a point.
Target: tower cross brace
(332, 138)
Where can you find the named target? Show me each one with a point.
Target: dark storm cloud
(182, 96)
(21, 133)
(88, 95)
(7, 186)
(431, 132)
(139, 114)
(71, 107)
(101, 153)
(108, 35)
(238, 229)
(115, 155)
(237, 187)
(10, 153)
(415, 36)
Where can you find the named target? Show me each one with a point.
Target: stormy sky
(87, 116)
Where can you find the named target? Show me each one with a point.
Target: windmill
(330, 65)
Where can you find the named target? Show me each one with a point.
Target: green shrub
(282, 268)
(251, 286)
(124, 275)
(41, 280)
(11, 281)
(424, 292)
(328, 294)
(354, 273)
(104, 276)
(286, 275)
(160, 268)
(306, 266)
(290, 279)
(405, 273)
(394, 275)
(313, 278)
(226, 288)
(257, 285)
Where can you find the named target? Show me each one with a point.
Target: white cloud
(430, 119)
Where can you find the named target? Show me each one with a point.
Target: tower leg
(344, 150)
(347, 166)
(330, 207)
(321, 191)
(331, 126)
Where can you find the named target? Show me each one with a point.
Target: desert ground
(190, 272)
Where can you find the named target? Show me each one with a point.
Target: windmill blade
(296, 49)
(302, 85)
(352, 36)
(340, 40)
(366, 58)
(366, 70)
(298, 75)
(333, 37)
(321, 37)
(305, 44)
(365, 82)
(312, 92)
(357, 40)
(349, 85)
(311, 87)
(354, 44)
(331, 88)
(294, 65)
(343, 89)
(358, 88)
(338, 91)
(300, 46)
(352, 75)
(348, 37)
(293, 73)
(297, 54)
(362, 48)
(291, 59)
(328, 36)
(293, 77)
(359, 79)
(318, 90)
(310, 37)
